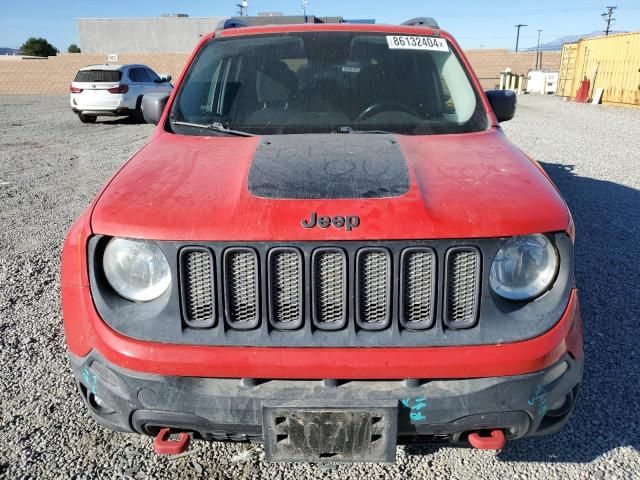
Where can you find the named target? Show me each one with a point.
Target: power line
(519, 26)
(608, 18)
(546, 36)
(520, 13)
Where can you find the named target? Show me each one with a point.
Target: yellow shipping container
(613, 61)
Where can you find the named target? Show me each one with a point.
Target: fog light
(99, 405)
(555, 373)
(99, 401)
(558, 404)
(562, 407)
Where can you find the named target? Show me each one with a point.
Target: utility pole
(538, 53)
(304, 9)
(608, 18)
(519, 26)
(243, 7)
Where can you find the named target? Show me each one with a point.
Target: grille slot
(418, 288)
(463, 287)
(286, 287)
(374, 288)
(198, 288)
(241, 282)
(330, 288)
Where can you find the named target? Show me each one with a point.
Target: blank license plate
(330, 434)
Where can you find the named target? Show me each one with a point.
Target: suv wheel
(137, 115)
(86, 118)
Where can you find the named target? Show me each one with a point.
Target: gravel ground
(51, 165)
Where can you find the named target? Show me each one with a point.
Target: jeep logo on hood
(349, 222)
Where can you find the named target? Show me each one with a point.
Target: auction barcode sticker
(417, 43)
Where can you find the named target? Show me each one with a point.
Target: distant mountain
(557, 43)
(8, 51)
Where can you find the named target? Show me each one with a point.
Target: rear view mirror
(153, 105)
(503, 103)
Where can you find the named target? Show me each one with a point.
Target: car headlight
(137, 270)
(524, 267)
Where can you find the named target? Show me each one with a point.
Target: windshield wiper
(351, 130)
(215, 126)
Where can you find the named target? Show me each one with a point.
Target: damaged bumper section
(329, 420)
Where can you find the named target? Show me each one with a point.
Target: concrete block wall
(53, 75)
(488, 63)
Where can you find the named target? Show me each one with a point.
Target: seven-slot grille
(374, 292)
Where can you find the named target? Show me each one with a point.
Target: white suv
(114, 90)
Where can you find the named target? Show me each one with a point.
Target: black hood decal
(329, 166)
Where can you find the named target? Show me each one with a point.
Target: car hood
(447, 186)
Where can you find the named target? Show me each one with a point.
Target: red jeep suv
(329, 246)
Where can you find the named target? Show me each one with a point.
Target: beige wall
(29, 76)
(22, 77)
(489, 63)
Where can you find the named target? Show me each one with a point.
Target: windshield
(324, 82)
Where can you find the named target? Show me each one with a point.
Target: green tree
(73, 48)
(38, 47)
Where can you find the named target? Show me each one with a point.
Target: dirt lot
(51, 165)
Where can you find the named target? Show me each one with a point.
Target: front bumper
(86, 332)
(232, 409)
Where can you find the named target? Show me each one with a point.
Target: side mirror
(503, 103)
(164, 78)
(153, 105)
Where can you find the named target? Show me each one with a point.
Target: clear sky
(475, 23)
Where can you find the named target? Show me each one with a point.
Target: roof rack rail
(234, 23)
(422, 22)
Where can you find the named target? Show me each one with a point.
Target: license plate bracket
(330, 434)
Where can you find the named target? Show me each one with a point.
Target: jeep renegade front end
(328, 245)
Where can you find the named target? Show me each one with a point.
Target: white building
(166, 34)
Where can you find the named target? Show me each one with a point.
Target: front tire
(87, 118)
(137, 115)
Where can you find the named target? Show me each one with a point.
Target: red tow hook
(495, 441)
(165, 445)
